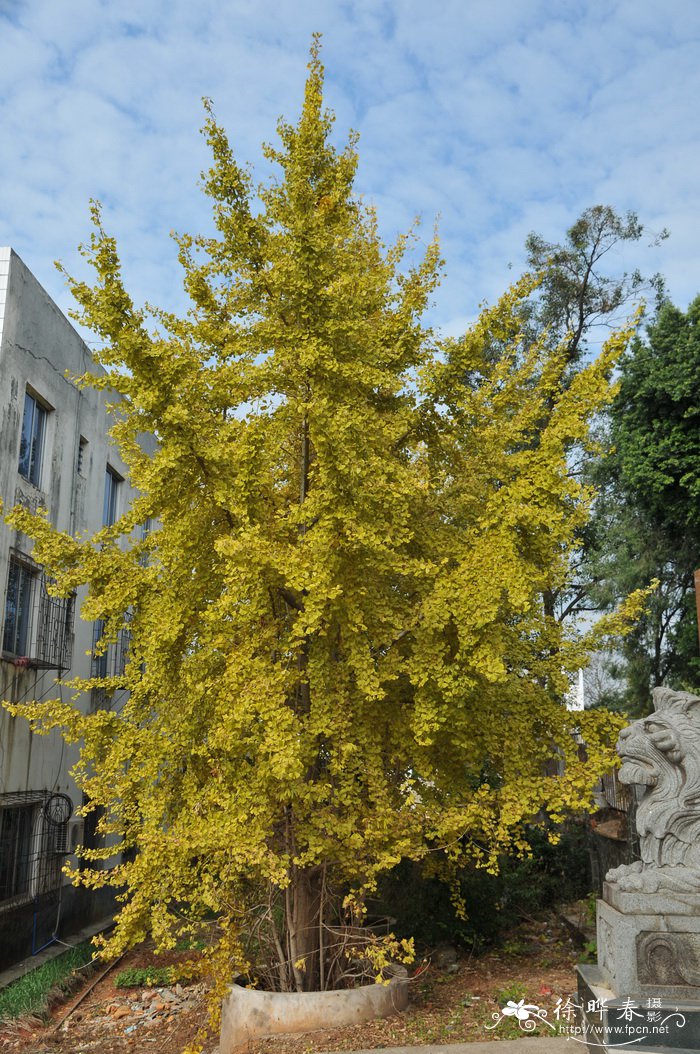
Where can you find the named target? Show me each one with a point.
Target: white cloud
(502, 118)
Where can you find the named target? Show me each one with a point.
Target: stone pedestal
(611, 1022)
(644, 994)
(649, 943)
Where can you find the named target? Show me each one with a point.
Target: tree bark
(304, 924)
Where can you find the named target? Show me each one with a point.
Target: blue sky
(497, 116)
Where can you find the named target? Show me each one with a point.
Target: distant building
(55, 454)
(576, 696)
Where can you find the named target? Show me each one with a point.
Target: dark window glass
(109, 511)
(15, 850)
(32, 441)
(99, 662)
(146, 528)
(18, 603)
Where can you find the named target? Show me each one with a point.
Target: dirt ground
(454, 997)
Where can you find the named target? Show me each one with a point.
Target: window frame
(32, 441)
(28, 573)
(32, 848)
(19, 848)
(36, 626)
(110, 503)
(99, 657)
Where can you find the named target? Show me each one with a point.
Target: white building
(55, 454)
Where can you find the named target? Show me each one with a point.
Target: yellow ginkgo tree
(340, 655)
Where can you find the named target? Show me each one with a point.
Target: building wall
(4, 271)
(40, 353)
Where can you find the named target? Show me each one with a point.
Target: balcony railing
(54, 638)
(38, 627)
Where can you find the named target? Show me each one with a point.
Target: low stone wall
(249, 1014)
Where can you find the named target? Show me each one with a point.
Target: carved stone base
(611, 1021)
(646, 950)
(663, 903)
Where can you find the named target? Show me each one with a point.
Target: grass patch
(511, 993)
(155, 976)
(146, 977)
(191, 944)
(32, 993)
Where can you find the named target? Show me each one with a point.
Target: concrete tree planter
(248, 1014)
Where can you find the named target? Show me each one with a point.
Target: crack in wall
(43, 358)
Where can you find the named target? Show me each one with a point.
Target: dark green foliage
(552, 875)
(423, 906)
(647, 517)
(424, 909)
(661, 647)
(656, 422)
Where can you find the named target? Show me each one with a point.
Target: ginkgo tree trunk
(339, 656)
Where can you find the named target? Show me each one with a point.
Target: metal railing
(54, 635)
(33, 846)
(37, 627)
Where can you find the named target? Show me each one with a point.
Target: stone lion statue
(662, 753)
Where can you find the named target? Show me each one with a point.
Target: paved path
(531, 1045)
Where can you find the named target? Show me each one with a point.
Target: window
(110, 508)
(32, 439)
(54, 632)
(109, 659)
(16, 824)
(33, 846)
(18, 608)
(82, 456)
(99, 654)
(146, 528)
(38, 626)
